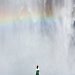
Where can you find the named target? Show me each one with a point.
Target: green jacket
(37, 72)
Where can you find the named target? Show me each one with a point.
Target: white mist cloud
(24, 45)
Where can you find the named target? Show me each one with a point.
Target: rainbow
(9, 17)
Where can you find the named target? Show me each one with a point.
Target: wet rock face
(74, 24)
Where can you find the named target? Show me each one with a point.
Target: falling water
(36, 32)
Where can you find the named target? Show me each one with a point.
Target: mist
(46, 37)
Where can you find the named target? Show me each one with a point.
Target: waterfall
(36, 32)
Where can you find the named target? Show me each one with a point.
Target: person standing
(37, 70)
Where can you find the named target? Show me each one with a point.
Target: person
(37, 70)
